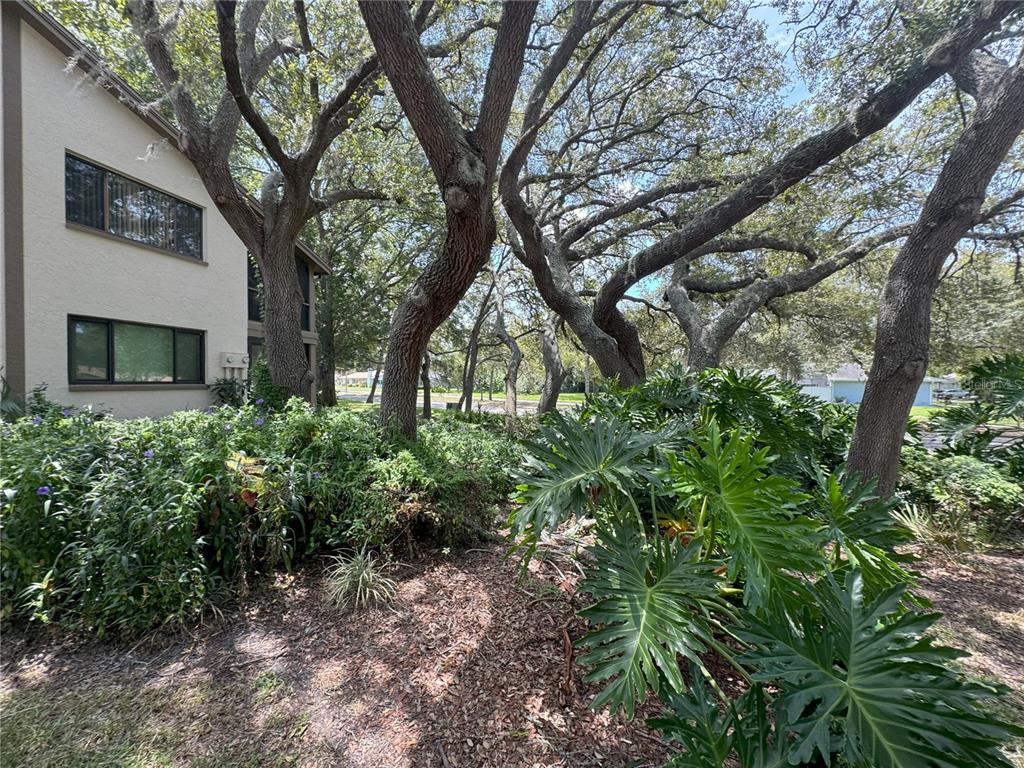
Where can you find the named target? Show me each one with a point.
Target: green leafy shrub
(725, 526)
(262, 387)
(962, 500)
(119, 526)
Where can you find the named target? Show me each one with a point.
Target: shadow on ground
(469, 668)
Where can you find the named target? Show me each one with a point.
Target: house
(846, 385)
(123, 287)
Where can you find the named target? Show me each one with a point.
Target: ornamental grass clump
(357, 581)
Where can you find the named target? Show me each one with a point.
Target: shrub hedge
(121, 526)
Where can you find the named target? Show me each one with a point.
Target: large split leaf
(868, 670)
(654, 602)
(572, 467)
(768, 542)
(862, 529)
(708, 735)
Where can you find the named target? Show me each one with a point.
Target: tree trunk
(430, 300)
(282, 310)
(328, 353)
(554, 373)
(425, 380)
(512, 370)
(701, 356)
(904, 319)
(376, 378)
(473, 353)
(463, 163)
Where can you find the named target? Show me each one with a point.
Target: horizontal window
(101, 199)
(112, 352)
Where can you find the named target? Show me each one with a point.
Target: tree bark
(328, 353)
(425, 380)
(876, 111)
(554, 372)
(376, 377)
(512, 368)
(464, 166)
(282, 311)
(904, 320)
(473, 353)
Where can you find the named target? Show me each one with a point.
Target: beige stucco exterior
(74, 271)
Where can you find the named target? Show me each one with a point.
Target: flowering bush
(125, 525)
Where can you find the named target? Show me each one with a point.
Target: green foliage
(999, 381)
(864, 674)
(728, 532)
(229, 392)
(961, 500)
(737, 503)
(120, 526)
(573, 467)
(654, 602)
(262, 387)
(357, 581)
(10, 408)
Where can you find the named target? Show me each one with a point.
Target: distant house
(847, 385)
(123, 286)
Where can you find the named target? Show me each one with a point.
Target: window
(100, 199)
(112, 352)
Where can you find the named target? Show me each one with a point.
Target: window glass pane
(147, 216)
(83, 192)
(188, 230)
(88, 351)
(142, 353)
(188, 348)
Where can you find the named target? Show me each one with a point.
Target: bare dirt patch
(469, 667)
(982, 597)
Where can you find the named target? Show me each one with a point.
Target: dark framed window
(113, 352)
(101, 199)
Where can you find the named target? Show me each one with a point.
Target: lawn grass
(926, 412)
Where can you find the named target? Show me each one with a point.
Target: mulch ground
(469, 667)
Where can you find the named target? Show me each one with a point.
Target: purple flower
(258, 422)
(37, 419)
(67, 411)
(149, 453)
(259, 401)
(43, 490)
(209, 411)
(316, 475)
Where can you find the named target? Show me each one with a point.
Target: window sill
(131, 387)
(129, 241)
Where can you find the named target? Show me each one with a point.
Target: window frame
(111, 380)
(105, 229)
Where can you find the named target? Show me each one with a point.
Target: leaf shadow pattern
(468, 667)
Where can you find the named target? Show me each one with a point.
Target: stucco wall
(68, 271)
